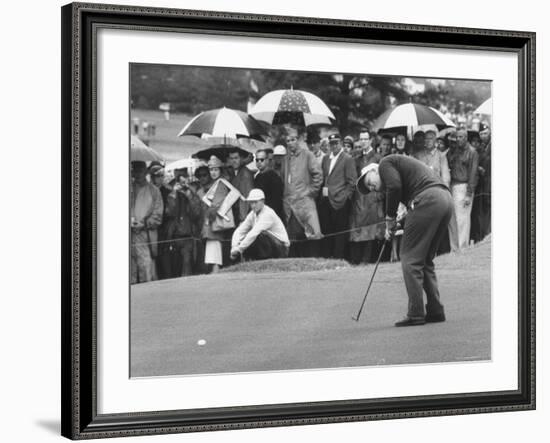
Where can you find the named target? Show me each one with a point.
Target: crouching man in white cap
(262, 234)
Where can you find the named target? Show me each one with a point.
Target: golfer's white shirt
(254, 224)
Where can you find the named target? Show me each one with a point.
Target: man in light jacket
(302, 178)
(146, 210)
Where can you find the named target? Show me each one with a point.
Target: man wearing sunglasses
(270, 183)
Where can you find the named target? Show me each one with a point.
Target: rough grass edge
(288, 265)
(324, 264)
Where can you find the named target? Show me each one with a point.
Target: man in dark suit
(243, 179)
(334, 202)
(270, 182)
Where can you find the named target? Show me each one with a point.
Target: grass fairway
(300, 320)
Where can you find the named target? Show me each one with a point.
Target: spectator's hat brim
(255, 195)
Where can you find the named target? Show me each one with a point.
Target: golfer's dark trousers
(266, 246)
(333, 221)
(425, 226)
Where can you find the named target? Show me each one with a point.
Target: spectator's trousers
(333, 221)
(425, 226)
(459, 228)
(266, 246)
(142, 265)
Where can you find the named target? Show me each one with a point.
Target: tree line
(355, 100)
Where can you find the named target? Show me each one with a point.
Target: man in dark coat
(167, 255)
(334, 202)
(367, 211)
(243, 179)
(183, 210)
(481, 210)
(270, 182)
(430, 207)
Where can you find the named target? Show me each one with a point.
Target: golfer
(262, 234)
(430, 207)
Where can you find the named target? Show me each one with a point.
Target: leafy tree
(356, 100)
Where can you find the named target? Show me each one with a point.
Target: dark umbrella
(221, 151)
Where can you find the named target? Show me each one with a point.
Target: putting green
(300, 320)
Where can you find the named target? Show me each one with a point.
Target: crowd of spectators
(300, 200)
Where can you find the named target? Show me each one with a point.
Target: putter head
(355, 318)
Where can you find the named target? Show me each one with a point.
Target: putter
(356, 318)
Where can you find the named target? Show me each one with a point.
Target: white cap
(279, 150)
(361, 180)
(255, 195)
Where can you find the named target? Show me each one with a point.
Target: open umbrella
(221, 151)
(486, 108)
(292, 106)
(189, 163)
(224, 122)
(139, 151)
(411, 115)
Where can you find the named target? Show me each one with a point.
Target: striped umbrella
(224, 122)
(139, 151)
(292, 106)
(411, 115)
(486, 108)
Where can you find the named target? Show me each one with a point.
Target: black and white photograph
(292, 220)
(243, 222)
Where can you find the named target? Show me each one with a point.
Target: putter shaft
(356, 318)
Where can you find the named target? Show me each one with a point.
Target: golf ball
(201, 342)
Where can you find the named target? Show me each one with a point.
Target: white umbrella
(292, 106)
(189, 163)
(139, 151)
(486, 108)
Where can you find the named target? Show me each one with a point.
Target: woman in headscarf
(218, 221)
(401, 144)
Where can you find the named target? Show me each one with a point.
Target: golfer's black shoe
(432, 317)
(435, 318)
(407, 321)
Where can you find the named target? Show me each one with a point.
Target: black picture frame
(79, 171)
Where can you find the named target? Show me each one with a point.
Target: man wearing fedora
(262, 234)
(334, 200)
(430, 207)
